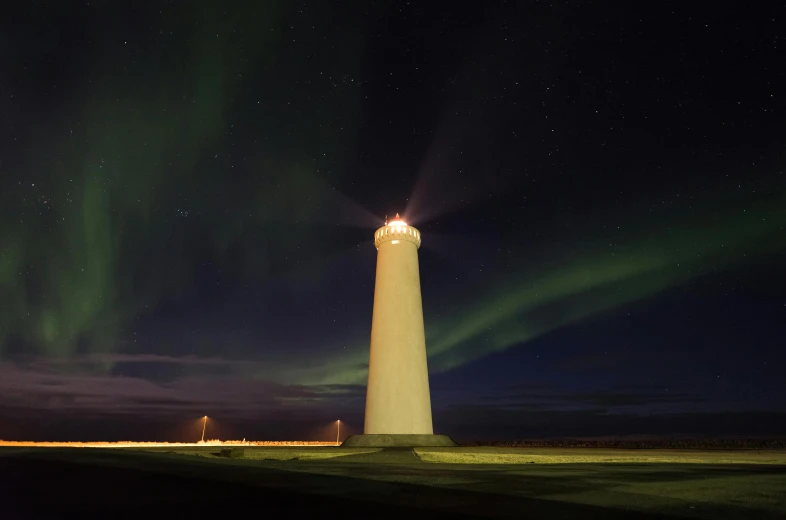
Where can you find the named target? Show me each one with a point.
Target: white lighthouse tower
(398, 401)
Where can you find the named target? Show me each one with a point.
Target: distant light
(394, 242)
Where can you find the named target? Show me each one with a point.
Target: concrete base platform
(396, 441)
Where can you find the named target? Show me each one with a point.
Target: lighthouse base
(383, 440)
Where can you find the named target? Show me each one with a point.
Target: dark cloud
(46, 387)
(589, 361)
(508, 423)
(603, 399)
(542, 409)
(116, 357)
(543, 396)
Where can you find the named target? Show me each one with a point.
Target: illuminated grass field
(311, 450)
(429, 483)
(499, 455)
(275, 452)
(495, 455)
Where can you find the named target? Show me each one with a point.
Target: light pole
(204, 425)
(338, 430)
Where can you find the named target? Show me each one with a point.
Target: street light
(338, 430)
(204, 425)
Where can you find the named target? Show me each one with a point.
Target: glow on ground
(258, 450)
(316, 450)
(289, 452)
(494, 455)
(134, 444)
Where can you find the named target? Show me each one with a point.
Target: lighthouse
(398, 400)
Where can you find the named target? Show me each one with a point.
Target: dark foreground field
(116, 483)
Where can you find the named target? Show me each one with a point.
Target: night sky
(189, 192)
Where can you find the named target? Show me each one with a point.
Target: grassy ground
(280, 453)
(498, 455)
(494, 455)
(389, 483)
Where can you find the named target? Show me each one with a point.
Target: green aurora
(557, 293)
(99, 236)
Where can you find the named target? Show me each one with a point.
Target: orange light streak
(133, 444)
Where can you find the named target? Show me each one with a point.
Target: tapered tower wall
(398, 400)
